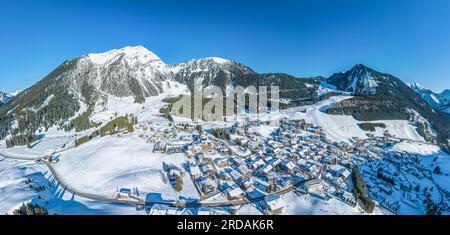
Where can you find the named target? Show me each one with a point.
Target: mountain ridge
(83, 84)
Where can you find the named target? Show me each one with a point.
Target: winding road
(134, 200)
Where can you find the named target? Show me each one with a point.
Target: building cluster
(295, 156)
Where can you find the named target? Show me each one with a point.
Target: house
(266, 168)
(207, 169)
(274, 205)
(207, 159)
(195, 172)
(314, 186)
(235, 175)
(123, 193)
(244, 170)
(223, 162)
(234, 193)
(258, 163)
(174, 147)
(246, 183)
(199, 158)
(271, 177)
(348, 198)
(290, 166)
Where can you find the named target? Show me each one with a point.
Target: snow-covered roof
(274, 202)
(235, 192)
(195, 170)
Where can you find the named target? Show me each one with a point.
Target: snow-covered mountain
(446, 94)
(4, 97)
(89, 84)
(210, 71)
(381, 96)
(359, 79)
(435, 100)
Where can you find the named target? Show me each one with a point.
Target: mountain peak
(218, 60)
(359, 79)
(446, 94)
(360, 68)
(133, 54)
(416, 86)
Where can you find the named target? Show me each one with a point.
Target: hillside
(86, 92)
(380, 96)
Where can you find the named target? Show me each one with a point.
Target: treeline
(369, 126)
(30, 209)
(361, 193)
(370, 108)
(112, 127)
(221, 133)
(21, 140)
(83, 122)
(30, 113)
(118, 124)
(82, 140)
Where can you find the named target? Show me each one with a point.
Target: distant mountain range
(5, 97)
(435, 100)
(446, 94)
(84, 84)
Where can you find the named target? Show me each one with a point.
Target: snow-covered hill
(92, 84)
(435, 100)
(97, 86)
(359, 79)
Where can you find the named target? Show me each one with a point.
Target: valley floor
(104, 166)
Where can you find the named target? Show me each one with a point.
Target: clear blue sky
(407, 38)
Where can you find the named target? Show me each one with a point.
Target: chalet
(314, 186)
(253, 145)
(207, 159)
(159, 147)
(207, 169)
(174, 147)
(195, 172)
(123, 193)
(160, 209)
(266, 168)
(271, 177)
(274, 205)
(290, 166)
(234, 193)
(246, 183)
(222, 162)
(244, 170)
(348, 198)
(258, 163)
(199, 158)
(235, 175)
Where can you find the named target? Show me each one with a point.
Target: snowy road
(136, 201)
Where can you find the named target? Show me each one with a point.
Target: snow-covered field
(103, 165)
(263, 130)
(14, 191)
(310, 205)
(41, 148)
(342, 128)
